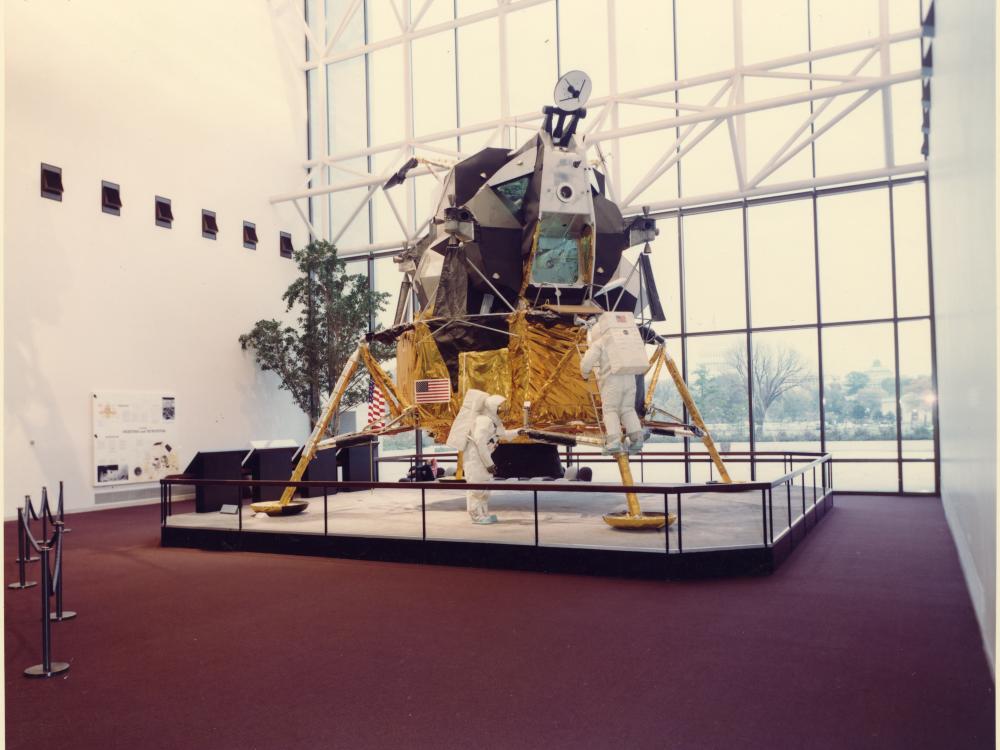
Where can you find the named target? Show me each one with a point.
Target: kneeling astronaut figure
(617, 353)
(476, 432)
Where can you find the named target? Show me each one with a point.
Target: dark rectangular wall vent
(111, 198)
(249, 235)
(285, 245)
(52, 186)
(164, 215)
(209, 229)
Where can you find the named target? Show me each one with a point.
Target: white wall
(194, 101)
(963, 226)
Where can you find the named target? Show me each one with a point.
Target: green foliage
(334, 309)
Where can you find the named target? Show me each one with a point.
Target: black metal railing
(811, 473)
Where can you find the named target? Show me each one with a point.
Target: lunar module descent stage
(523, 254)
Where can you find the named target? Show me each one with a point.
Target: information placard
(135, 436)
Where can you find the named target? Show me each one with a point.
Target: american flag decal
(437, 391)
(376, 406)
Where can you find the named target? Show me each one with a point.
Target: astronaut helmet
(493, 403)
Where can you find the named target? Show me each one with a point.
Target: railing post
(788, 493)
(666, 519)
(770, 512)
(680, 525)
(22, 554)
(47, 668)
(803, 475)
(423, 514)
(326, 512)
(763, 515)
(536, 517)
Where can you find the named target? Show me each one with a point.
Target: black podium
(323, 468)
(526, 460)
(215, 465)
(269, 463)
(357, 463)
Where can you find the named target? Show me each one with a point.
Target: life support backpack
(461, 428)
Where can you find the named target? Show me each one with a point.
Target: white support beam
(784, 187)
(884, 69)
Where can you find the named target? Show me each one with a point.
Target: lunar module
(525, 253)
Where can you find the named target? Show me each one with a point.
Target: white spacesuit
(617, 397)
(487, 431)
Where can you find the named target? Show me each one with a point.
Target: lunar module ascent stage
(524, 254)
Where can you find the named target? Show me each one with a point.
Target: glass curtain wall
(800, 322)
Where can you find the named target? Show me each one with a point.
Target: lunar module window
(557, 261)
(512, 193)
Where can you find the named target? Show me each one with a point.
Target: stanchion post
(45, 515)
(47, 668)
(60, 615)
(60, 511)
(23, 548)
(22, 552)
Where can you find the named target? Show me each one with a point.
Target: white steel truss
(686, 121)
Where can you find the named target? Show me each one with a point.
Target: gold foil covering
(418, 358)
(487, 371)
(536, 350)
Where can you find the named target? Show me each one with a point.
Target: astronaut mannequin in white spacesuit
(477, 456)
(617, 395)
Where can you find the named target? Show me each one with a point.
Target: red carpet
(865, 638)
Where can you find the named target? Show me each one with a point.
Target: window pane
(353, 34)
(713, 270)
(866, 477)
(769, 130)
(837, 22)
(434, 83)
(916, 389)
(779, 30)
(478, 73)
(910, 237)
(918, 477)
(348, 123)
(704, 36)
(859, 391)
(666, 273)
(583, 42)
(717, 380)
(855, 267)
(782, 264)
(786, 391)
(667, 398)
(387, 99)
(645, 44)
(531, 58)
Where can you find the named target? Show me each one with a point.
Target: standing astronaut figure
(617, 353)
(476, 432)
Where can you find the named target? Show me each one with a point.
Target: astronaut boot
(613, 447)
(635, 442)
(486, 520)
